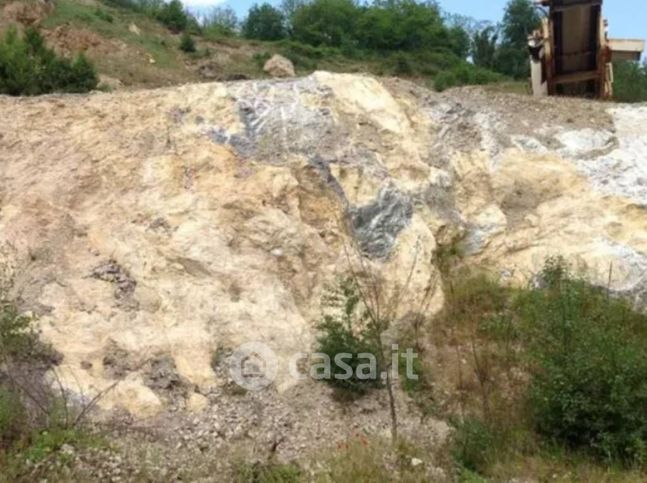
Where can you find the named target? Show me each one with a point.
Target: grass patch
(362, 460)
(153, 38)
(269, 472)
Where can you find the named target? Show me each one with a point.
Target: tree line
(388, 26)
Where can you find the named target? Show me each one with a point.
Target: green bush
(445, 80)
(588, 387)
(345, 329)
(12, 418)
(465, 74)
(18, 340)
(630, 82)
(28, 67)
(186, 43)
(473, 445)
(172, 15)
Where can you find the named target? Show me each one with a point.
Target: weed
(269, 472)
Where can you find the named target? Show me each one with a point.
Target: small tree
(484, 47)
(186, 43)
(325, 22)
(172, 15)
(28, 67)
(264, 22)
(519, 20)
(221, 21)
(345, 329)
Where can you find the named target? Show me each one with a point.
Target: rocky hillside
(128, 48)
(148, 230)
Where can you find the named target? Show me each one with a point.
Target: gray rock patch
(378, 224)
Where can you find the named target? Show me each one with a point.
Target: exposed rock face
(279, 66)
(148, 229)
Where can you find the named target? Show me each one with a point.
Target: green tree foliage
(172, 15)
(589, 374)
(459, 41)
(630, 82)
(464, 74)
(264, 22)
(222, 21)
(484, 47)
(325, 22)
(289, 8)
(519, 20)
(402, 25)
(28, 67)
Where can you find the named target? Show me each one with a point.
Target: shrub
(473, 444)
(588, 388)
(345, 330)
(186, 43)
(464, 74)
(172, 15)
(630, 82)
(28, 67)
(445, 80)
(35, 421)
(19, 344)
(18, 340)
(267, 473)
(12, 418)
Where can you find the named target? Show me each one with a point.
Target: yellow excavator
(571, 54)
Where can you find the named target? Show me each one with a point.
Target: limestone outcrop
(149, 229)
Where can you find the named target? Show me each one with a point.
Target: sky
(627, 18)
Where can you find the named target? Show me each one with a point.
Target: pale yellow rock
(225, 209)
(133, 28)
(279, 66)
(197, 402)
